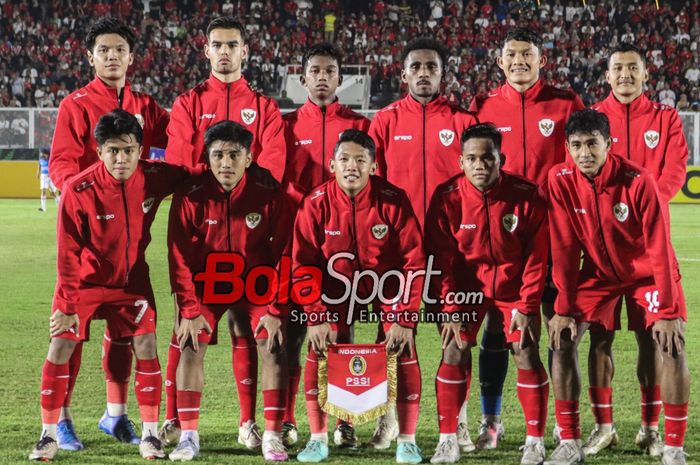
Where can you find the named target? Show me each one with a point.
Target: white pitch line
(689, 259)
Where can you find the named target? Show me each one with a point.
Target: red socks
(73, 370)
(533, 393)
(567, 414)
(189, 403)
(601, 404)
(651, 404)
(116, 363)
(294, 375)
(245, 371)
(408, 395)
(171, 391)
(318, 419)
(273, 407)
(451, 386)
(54, 382)
(148, 386)
(675, 423)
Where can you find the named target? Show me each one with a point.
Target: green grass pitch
(27, 267)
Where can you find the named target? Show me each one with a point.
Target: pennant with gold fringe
(357, 382)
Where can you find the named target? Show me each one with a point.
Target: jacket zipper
(323, 145)
(425, 175)
(354, 236)
(493, 258)
(522, 99)
(128, 235)
(228, 99)
(628, 132)
(600, 228)
(228, 221)
(120, 97)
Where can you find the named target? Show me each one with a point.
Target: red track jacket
(494, 241)
(252, 220)
(614, 221)
(651, 135)
(212, 101)
(74, 147)
(418, 146)
(532, 125)
(378, 227)
(104, 227)
(311, 133)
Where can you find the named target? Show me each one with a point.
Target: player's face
(228, 162)
(589, 151)
(626, 75)
(480, 162)
(321, 78)
(352, 166)
(110, 57)
(120, 156)
(226, 51)
(422, 71)
(521, 63)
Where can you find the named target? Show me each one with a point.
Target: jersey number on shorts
(653, 300)
(144, 306)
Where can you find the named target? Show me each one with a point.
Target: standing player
(112, 202)
(45, 183)
(311, 133)
(371, 219)
(417, 141)
(226, 95)
(110, 50)
(243, 217)
(651, 135)
(609, 209)
(488, 232)
(531, 116)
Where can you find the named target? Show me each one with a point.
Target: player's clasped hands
(528, 326)
(557, 325)
(398, 339)
(61, 322)
(189, 329)
(669, 335)
(320, 336)
(275, 332)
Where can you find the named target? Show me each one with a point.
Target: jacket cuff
(565, 304)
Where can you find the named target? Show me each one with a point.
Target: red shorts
(599, 303)
(503, 311)
(213, 313)
(127, 314)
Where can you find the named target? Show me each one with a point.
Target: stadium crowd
(42, 59)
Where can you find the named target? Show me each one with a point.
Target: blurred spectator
(285, 102)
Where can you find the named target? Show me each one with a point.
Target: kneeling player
(608, 208)
(223, 210)
(488, 231)
(372, 220)
(104, 223)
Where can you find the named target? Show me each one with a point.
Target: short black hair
(625, 47)
(482, 131)
(425, 43)
(361, 138)
(522, 34)
(323, 49)
(587, 122)
(226, 22)
(109, 25)
(227, 131)
(117, 123)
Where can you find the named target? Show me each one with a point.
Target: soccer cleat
(290, 435)
(42, 209)
(344, 435)
(169, 433)
(249, 435)
(185, 451)
(67, 439)
(273, 450)
(45, 449)
(650, 442)
(315, 451)
(599, 440)
(120, 427)
(533, 453)
(568, 452)
(151, 448)
(490, 433)
(446, 452)
(408, 452)
(384, 433)
(673, 456)
(463, 439)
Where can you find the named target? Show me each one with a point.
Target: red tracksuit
(311, 133)
(532, 124)
(212, 101)
(418, 146)
(74, 147)
(651, 135)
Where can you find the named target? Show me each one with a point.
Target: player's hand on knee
(529, 328)
(61, 322)
(275, 332)
(449, 331)
(557, 325)
(319, 337)
(399, 339)
(189, 329)
(669, 335)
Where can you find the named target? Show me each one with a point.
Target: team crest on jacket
(621, 212)
(510, 222)
(651, 138)
(139, 118)
(147, 204)
(358, 365)
(546, 127)
(252, 220)
(446, 137)
(379, 231)
(248, 115)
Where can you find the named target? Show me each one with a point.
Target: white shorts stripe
(532, 386)
(570, 413)
(451, 381)
(63, 377)
(273, 408)
(175, 346)
(116, 343)
(312, 361)
(243, 347)
(656, 402)
(408, 363)
(676, 419)
(147, 373)
(601, 405)
(188, 410)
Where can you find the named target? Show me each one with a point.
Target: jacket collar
(105, 179)
(466, 185)
(362, 199)
(607, 175)
(513, 96)
(98, 86)
(314, 110)
(417, 107)
(215, 83)
(639, 105)
(218, 191)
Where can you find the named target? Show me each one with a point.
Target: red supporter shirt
(252, 220)
(532, 125)
(378, 227)
(104, 227)
(614, 221)
(311, 133)
(493, 241)
(74, 147)
(651, 135)
(212, 101)
(418, 146)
